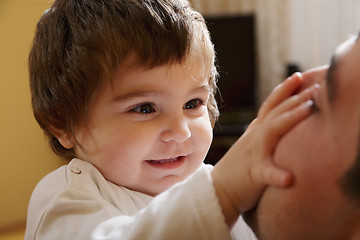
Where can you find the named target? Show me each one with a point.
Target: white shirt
(77, 202)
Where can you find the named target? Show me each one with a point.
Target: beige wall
(25, 156)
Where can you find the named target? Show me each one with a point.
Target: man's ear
(64, 139)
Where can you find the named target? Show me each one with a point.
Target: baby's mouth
(167, 163)
(168, 160)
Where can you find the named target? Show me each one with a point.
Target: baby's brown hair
(80, 43)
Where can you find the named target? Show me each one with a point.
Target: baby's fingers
(280, 93)
(283, 123)
(293, 102)
(269, 174)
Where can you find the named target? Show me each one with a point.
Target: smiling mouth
(164, 160)
(168, 163)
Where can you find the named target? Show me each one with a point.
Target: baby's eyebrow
(202, 88)
(137, 94)
(156, 93)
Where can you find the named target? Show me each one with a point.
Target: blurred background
(25, 156)
(265, 42)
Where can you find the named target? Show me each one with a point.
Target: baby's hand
(247, 168)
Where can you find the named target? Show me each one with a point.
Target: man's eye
(315, 107)
(193, 104)
(145, 108)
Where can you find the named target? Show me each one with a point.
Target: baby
(125, 90)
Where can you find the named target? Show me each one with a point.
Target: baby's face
(149, 129)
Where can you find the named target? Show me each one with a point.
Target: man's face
(319, 151)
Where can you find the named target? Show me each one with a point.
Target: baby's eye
(144, 108)
(193, 104)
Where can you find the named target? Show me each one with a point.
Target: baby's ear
(64, 139)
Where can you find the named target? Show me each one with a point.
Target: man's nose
(176, 129)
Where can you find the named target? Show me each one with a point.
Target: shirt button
(75, 170)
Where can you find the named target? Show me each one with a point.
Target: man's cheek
(269, 216)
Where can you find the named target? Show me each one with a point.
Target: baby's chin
(161, 187)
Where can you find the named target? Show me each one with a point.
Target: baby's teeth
(168, 160)
(164, 161)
